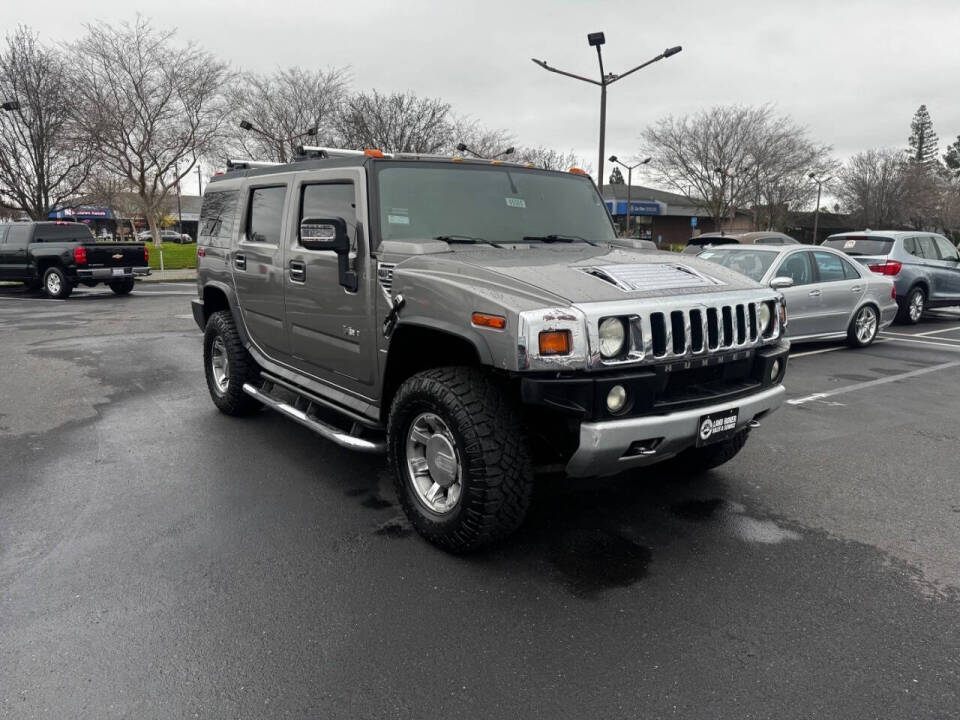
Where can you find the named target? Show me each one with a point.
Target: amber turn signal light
(578, 171)
(491, 321)
(372, 152)
(555, 342)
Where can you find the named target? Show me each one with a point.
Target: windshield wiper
(467, 239)
(559, 238)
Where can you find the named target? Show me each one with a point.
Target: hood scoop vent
(651, 276)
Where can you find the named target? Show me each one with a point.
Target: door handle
(814, 293)
(298, 271)
(856, 288)
(240, 261)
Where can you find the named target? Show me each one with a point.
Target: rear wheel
(864, 327)
(228, 366)
(912, 307)
(122, 287)
(459, 458)
(56, 284)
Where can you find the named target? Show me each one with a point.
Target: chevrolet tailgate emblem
(118, 256)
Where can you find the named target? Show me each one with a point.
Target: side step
(325, 430)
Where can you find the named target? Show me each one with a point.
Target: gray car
(925, 267)
(828, 296)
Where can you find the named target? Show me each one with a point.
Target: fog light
(616, 399)
(774, 371)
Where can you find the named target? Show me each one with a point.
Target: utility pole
(596, 40)
(613, 159)
(176, 169)
(199, 181)
(816, 215)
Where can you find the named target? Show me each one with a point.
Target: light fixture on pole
(596, 40)
(816, 215)
(613, 159)
(10, 105)
(281, 142)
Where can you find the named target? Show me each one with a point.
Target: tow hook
(753, 424)
(390, 322)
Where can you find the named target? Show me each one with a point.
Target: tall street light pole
(613, 159)
(816, 215)
(596, 40)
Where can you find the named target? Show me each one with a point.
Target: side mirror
(781, 283)
(330, 234)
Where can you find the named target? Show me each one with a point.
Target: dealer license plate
(118, 272)
(717, 427)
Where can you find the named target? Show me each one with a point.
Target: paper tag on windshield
(516, 202)
(849, 244)
(398, 219)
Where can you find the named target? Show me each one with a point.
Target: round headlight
(616, 399)
(613, 335)
(765, 317)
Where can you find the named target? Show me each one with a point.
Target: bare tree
(42, 166)
(149, 107)
(872, 187)
(399, 122)
(482, 141)
(734, 156)
(282, 108)
(550, 159)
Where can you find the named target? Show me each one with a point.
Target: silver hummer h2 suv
(477, 321)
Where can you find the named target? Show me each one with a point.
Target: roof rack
(312, 152)
(249, 164)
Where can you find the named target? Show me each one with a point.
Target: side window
(797, 266)
(829, 267)
(946, 248)
(770, 241)
(19, 235)
(265, 214)
(910, 246)
(3, 233)
(217, 216)
(330, 200)
(849, 271)
(927, 249)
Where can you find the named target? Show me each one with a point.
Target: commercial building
(111, 222)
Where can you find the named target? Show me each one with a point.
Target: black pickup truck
(59, 255)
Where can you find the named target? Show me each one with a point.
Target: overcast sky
(853, 72)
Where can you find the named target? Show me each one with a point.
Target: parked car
(474, 322)
(59, 255)
(828, 296)
(167, 236)
(766, 237)
(924, 267)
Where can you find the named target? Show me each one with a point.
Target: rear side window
(18, 235)
(265, 216)
(217, 215)
(829, 267)
(946, 248)
(798, 268)
(770, 241)
(860, 245)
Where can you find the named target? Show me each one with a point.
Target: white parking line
(922, 337)
(941, 330)
(926, 341)
(829, 349)
(872, 383)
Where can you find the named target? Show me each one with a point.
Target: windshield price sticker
(398, 219)
(516, 202)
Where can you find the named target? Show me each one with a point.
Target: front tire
(459, 459)
(228, 366)
(56, 284)
(913, 306)
(698, 460)
(864, 327)
(122, 287)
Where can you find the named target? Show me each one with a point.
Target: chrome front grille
(689, 330)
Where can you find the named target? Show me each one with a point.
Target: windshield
(497, 204)
(752, 263)
(860, 245)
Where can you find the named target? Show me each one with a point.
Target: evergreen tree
(616, 177)
(923, 140)
(951, 158)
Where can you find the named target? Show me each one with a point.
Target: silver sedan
(828, 296)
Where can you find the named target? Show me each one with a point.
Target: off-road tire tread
(698, 460)
(243, 368)
(498, 477)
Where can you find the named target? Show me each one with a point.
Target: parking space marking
(927, 341)
(872, 383)
(829, 349)
(941, 330)
(922, 337)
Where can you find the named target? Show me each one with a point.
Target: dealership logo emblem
(706, 429)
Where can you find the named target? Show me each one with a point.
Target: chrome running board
(350, 440)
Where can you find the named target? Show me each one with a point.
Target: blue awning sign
(637, 207)
(83, 212)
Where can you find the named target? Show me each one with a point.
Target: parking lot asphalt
(158, 559)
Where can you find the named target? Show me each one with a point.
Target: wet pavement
(158, 559)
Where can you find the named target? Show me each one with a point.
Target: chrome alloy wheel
(220, 364)
(433, 464)
(866, 324)
(916, 306)
(53, 284)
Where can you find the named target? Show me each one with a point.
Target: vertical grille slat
(727, 313)
(753, 322)
(741, 317)
(658, 333)
(713, 328)
(678, 331)
(698, 331)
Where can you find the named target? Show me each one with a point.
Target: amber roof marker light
(597, 39)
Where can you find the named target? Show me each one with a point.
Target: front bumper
(107, 274)
(612, 446)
